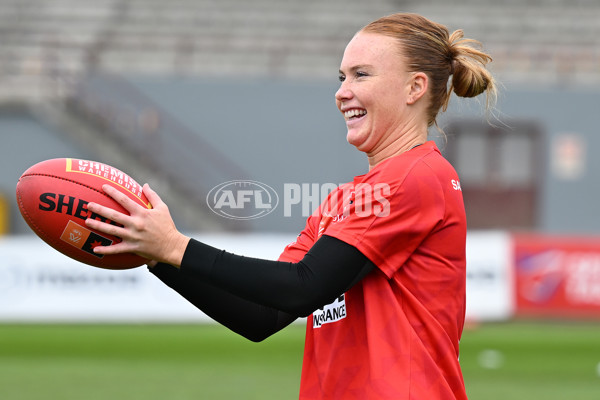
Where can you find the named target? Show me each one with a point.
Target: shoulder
(421, 164)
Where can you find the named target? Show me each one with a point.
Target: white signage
(37, 283)
(489, 277)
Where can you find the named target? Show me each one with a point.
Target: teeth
(354, 112)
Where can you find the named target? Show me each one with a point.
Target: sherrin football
(53, 196)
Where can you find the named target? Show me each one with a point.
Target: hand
(150, 233)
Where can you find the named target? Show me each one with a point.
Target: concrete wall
(290, 132)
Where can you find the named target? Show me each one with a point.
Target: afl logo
(242, 199)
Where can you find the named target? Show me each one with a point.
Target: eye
(342, 77)
(361, 74)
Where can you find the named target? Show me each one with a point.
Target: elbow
(258, 334)
(257, 337)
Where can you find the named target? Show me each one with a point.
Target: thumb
(152, 196)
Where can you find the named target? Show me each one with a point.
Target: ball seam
(68, 180)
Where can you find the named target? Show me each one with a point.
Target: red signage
(557, 276)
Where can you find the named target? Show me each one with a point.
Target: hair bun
(469, 74)
(453, 65)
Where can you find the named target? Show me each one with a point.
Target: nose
(343, 93)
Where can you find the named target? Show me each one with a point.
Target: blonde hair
(428, 47)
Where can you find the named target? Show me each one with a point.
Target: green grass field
(517, 360)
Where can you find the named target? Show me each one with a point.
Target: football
(53, 195)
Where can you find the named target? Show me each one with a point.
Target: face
(375, 91)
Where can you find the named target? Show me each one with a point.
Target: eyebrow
(357, 67)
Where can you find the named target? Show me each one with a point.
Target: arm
(329, 268)
(250, 320)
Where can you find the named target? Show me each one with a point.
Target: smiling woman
(384, 292)
(389, 66)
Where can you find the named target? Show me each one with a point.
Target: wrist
(178, 245)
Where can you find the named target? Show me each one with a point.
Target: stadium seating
(50, 50)
(46, 44)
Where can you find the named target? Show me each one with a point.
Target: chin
(356, 141)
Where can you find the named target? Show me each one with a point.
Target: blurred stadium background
(188, 94)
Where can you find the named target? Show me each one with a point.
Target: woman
(380, 267)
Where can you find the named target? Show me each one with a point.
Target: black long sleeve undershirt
(256, 297)
(250, 320)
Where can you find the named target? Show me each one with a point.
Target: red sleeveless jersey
(395, 334)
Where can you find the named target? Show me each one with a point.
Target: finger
(121, 198)
(152, 196)
(117, 248)
(105, 227)
(108, 213)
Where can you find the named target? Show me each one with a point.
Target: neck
(396, 147)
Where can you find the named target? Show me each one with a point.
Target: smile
(354, 113)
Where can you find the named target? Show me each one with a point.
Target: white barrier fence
(38, 284)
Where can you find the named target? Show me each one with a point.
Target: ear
(418, 87)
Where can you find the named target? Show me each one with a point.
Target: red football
(53, 197)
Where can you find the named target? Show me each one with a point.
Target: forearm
(326, 271)
(250, 320)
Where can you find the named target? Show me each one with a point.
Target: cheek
(392, 106)
(385, 114)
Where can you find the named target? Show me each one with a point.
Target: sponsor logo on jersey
(333, 312)
(456, 185)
